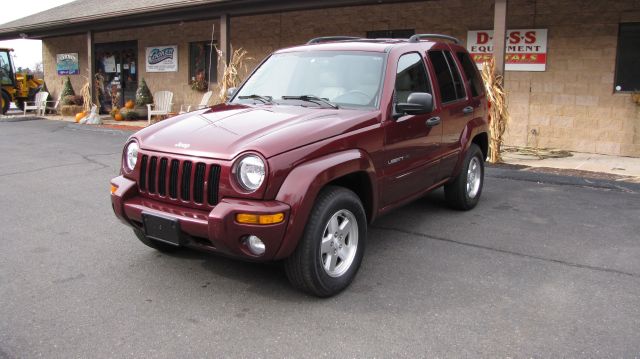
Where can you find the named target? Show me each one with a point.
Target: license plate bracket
(163, 229)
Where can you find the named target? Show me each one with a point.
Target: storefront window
(391, 34)
(201, 62)
(627, 69)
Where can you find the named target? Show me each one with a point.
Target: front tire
(463, 193)
(4, 103)
(330, 251)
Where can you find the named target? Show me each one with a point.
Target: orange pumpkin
(118, 117)
(130, 104)
(80, 115)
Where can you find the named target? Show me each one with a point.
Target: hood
(225, 131)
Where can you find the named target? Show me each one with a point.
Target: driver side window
(411, 76)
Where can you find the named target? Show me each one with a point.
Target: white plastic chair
(55, 103)
(39, 104)
(161, 104)
(203, 103)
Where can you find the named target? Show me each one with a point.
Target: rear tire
(5, 103)
(330, 251)
(463, 193)
(162, 247)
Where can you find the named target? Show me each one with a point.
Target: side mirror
(231, 91)
(417, 103)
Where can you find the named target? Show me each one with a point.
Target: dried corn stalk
(498, 112)
(86, 96)
(635, 97)
(232, 74)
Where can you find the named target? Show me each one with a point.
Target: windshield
(346, 79)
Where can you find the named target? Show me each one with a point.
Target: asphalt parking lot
(545, 266)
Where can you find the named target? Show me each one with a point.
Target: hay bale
(134, 113)
(70, 110)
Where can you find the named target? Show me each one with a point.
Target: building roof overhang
(101, 15)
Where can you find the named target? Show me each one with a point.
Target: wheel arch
(482, 140)
(360, 184)
(352, 169)
(476, 131)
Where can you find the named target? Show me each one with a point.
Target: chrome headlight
(131, 155)
(250, 172)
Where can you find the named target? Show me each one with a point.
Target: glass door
(116, 73)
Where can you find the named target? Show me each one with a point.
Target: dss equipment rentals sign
(162, 58)
(526, 49)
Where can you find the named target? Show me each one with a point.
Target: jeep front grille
(184, 180)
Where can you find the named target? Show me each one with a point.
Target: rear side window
(410, 77)
(449, 81)
(470, 70)
(455, 74)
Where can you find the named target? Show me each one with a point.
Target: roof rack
(319, 40)
(418, 37)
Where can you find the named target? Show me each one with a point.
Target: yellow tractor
(18, 88)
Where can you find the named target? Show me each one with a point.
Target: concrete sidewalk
(108, 121)
(626, 168)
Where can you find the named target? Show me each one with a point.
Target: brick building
(581, 101)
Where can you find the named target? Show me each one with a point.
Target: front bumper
(214, 231)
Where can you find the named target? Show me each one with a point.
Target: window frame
(426, 70)
(11, 69)
(214, 62)
(460, 75)
(476, 72)
(466, 98)
(618, 58)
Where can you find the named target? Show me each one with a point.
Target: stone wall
(172, 34)
(62, 45)
(180, 34)
(570, 106)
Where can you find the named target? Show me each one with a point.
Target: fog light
(256, 246)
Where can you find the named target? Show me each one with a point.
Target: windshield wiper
(312, 98)
(264, 99)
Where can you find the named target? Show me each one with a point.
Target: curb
(19, 118)
(523, 173)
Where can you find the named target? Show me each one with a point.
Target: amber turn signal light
(113, 189)
(248, 218)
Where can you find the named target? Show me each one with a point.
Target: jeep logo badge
(182, 145)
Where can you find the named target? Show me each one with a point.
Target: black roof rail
(418, 37)
(318, 40)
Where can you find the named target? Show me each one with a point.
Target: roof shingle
(86, 10)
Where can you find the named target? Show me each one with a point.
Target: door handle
(433, 121)
(467, 110)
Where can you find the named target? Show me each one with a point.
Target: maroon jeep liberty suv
(319, 141)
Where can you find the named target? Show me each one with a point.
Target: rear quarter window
(471, 72)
